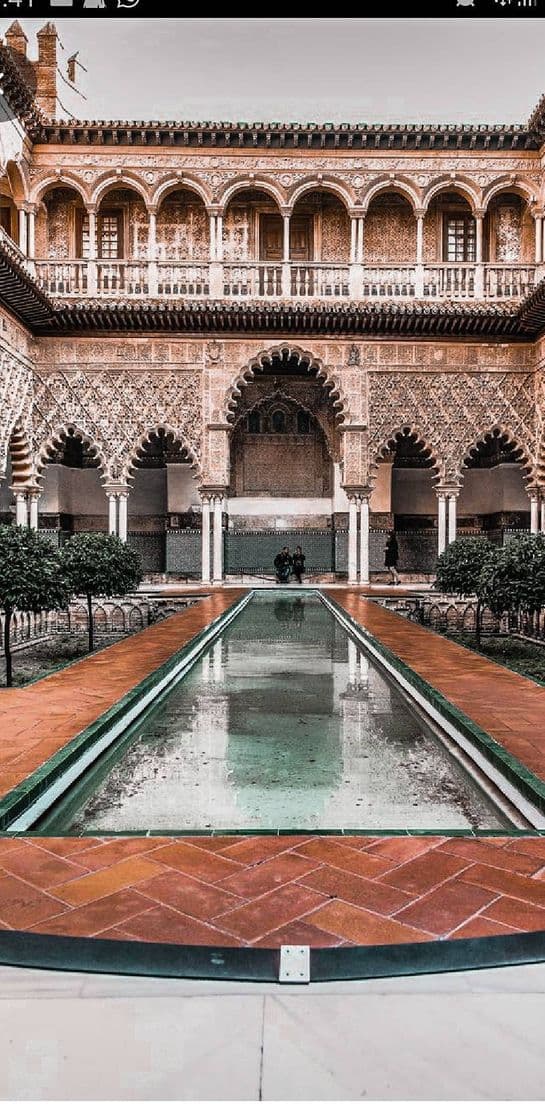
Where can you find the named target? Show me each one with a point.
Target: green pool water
(283, 723)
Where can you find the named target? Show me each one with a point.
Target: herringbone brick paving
(268, 891)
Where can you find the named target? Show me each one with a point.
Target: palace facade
(219, 338)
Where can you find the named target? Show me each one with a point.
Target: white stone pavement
(465, 1036)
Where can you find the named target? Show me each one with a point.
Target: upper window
(303, 422)
(254, 422)
(109, 235)
(278, 421)
(459, 238)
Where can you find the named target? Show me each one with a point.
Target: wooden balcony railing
(315, 280)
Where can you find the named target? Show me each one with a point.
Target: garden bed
(32, 662)
(514, 653)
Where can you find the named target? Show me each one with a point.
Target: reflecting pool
(283, 723)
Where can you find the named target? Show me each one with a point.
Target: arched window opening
(278, 421)
(303, 422)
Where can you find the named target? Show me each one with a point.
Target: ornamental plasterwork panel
(15, 401)
(451, 411)
(293, 163)
(116, 409)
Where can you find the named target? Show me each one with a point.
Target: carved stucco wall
(450, 411)
(115, 391)
(182, 229)
(15, 385)
(390, 231)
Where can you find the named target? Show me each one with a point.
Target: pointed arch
(281, 396)
(55, 440)
(387, 445)
(285, 351)
(503, 431)
(131, 463)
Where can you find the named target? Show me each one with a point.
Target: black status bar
(127, 9)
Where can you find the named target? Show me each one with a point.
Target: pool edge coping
(63, 953)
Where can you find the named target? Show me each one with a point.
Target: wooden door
(271, 233)
(301, 239)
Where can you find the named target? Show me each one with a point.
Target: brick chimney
(40, 75)
(17, 41)
(45, 70)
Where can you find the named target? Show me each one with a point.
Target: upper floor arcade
(278, 212)
(123, 240)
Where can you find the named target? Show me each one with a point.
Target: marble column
(21, 508)
(542, 515)
(123, 516)
(33, 499)
(205, 539)
(31, 233)
(441, 523)
(452, 501)
(479, 267)
(364, 539)
(352, 539)
(538, 224)
(112, 514)
(152, 252)
(23, 230)
(217, 573)
(534, 511)
(92, 257)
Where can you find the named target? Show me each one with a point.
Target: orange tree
(31, 579)
(460, 571)
(99, 564)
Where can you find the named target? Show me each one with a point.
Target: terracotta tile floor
(270, 890)
(509, 707)
(242, 894)
(36, 721)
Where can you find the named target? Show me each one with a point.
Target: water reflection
(285, 723)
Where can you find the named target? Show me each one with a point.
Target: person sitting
(298, 563)
(282, 563)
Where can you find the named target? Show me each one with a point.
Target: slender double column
(536, 515)
(152, 251)
(118, 510)
(212, 535)
(21, 505)
(358, 535)
(447, 498)
(357, 220)
(92, 277)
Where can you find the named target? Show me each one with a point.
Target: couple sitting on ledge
(285, 564)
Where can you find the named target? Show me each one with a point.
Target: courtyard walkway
(270, 890)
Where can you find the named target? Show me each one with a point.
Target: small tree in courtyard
(514, 578)
(31, 579)
(460, 568)
(97, 564)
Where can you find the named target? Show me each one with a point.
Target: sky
(338, 70)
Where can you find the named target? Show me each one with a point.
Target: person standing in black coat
(298, 563)
(391, 557)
